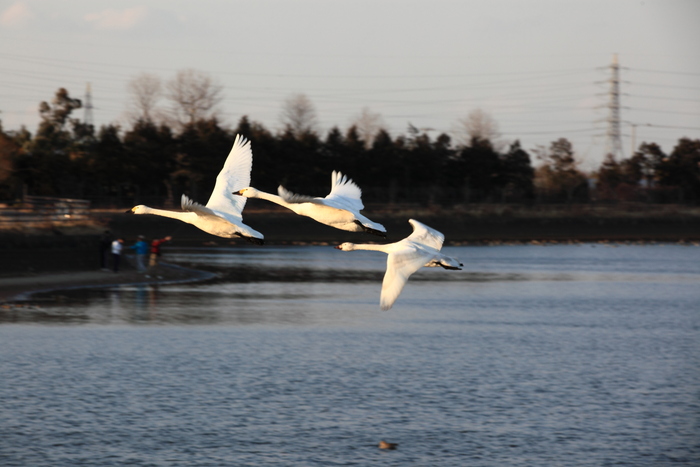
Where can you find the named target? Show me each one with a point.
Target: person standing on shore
(105, 245)
(141, 248)
(117, 247)
(155, 250)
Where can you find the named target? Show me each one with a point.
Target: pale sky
(540, 68)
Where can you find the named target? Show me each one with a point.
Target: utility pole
(87, 118)
(614, 138)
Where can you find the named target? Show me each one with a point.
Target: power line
(665, 72)
(683, 99)
(668, 86)
(696, 114)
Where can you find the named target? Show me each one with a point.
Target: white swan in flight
(421, 248)
(340, 209)
(222, 214)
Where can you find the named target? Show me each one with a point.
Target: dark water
(560, 355)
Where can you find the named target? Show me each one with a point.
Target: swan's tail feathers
(290, 197)
(376, 229)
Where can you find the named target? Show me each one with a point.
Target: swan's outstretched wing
(290, 197)
(425, 235)
(444, 261)
(345, 194)
(345, 191)
(192, 206)
(234, 176)
(214, 216)
(399, 267)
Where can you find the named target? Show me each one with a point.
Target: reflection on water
(320, 285)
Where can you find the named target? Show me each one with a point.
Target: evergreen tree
(149, 162)
(50, 170)
(106, 169)
(559, 177)
(10, 153)
(517, 174)
(682, 169)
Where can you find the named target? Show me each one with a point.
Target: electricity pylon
(87, 118)
(614, 137)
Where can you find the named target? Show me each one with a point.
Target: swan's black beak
(337, 247)
(130, 211)
(239, 193)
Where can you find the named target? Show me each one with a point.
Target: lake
(584, 355)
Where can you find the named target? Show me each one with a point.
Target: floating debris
(385, 445)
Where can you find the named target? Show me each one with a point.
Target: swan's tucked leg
(257, 241)
(369, 230)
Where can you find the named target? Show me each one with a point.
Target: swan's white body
(222, 214)
(340, 209)
(421, 248)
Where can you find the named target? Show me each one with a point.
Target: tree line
(155, 162)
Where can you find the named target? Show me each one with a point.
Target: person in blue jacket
(141, 248)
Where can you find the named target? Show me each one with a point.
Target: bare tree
(368, 124)
(193, 95)
(145, 91)
(299, 115)
(478, 125)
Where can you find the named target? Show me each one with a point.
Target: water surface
(558, 355)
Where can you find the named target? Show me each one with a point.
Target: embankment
(65, 247)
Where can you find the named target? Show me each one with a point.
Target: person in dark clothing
(105, 247)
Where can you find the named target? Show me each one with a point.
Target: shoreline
(61, 255)
(22, 288)
(17, 288)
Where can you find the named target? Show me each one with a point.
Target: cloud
(117, 20)
(17, 15)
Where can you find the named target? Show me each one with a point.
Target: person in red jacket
(155, 250)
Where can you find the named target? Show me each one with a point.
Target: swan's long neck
(371, 247)
(276, 199)
(181, 216)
